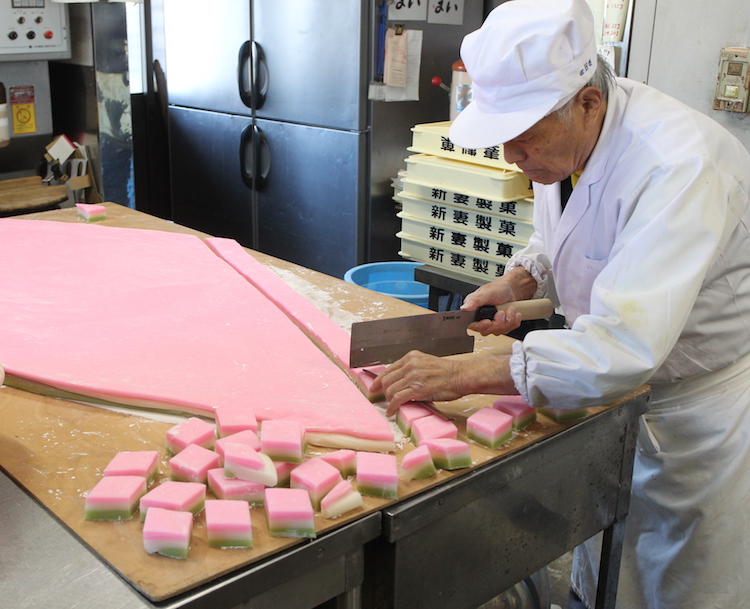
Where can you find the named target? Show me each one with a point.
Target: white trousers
(687, 535)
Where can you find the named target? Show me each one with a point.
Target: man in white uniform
(649, 261)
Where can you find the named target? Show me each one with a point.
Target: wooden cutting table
(454, 540)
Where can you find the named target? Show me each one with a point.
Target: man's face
(548, 152)
(553, 149)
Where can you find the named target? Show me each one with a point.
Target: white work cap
(529, 57)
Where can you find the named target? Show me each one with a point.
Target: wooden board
(24, 195)
(56, 449)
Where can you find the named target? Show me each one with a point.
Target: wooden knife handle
(537, 308)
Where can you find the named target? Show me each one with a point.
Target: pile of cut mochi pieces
(240, 468)
(243, 468)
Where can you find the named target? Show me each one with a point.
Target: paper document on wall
(403, 58)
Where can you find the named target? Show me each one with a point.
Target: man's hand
(416, 377)
(421, 377)
(496, 293)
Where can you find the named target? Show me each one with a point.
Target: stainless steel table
(42, 565)
(467, 540)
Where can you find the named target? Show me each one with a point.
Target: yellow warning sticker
(23, 109)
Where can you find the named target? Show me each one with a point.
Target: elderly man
(649, 261)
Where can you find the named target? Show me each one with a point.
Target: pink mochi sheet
(157, 319)
(304, 312)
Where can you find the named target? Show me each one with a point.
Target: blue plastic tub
(394, 279)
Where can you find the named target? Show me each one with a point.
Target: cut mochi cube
(241, 437)
(377, 475)
(432, 427)
(518, 408)
(284, 472)
(449, 453)
(177, 496)
(340, 499)
(365, 378)
(283, 440)
(561, 415)
(114, 498)
(489, 427)
(234, 488)
(167, 532)
(316, 477)
(192, 464)
(417, 464)
(344, 460)
(144, 463)
(243, 462)
(190, 431)
(408, 413)
(228, 524)
(91, 212)
(290, 513)
(232, 419)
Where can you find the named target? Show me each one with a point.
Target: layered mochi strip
(317, 477)
(190, 431)
(243, 462)
(344, 460)
(167, 532)
(91, 212)
(283, 440)
(114, 498)
(489, 427)
(432, 427)
(228, 524)
(377, 475)
(192, 464)
(247, 437)
(523, 414)
(143, 463)
(341, 499)
(234, 488)
(417, 464)
(289, 513)
(408, 413)
(177, 496)
(449, 453)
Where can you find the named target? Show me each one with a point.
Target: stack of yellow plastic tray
(463, 210)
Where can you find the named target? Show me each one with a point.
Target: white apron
(687, 540)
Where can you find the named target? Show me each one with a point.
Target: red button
(48, 34)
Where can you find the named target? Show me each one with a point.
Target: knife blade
(383, 341)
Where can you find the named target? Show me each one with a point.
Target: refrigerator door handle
(255, 158)
(244, 75)
(259, 75)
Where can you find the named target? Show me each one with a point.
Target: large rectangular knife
(383, 341)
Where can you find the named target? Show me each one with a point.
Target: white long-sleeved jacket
(650, 262)
(651, 265)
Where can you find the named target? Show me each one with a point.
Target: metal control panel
(33, 30)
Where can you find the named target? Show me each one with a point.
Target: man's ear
(591, 100)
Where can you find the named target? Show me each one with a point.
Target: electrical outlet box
(733, 84)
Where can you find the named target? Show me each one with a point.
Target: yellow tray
(466, 219)
(467, 179)
(432, 138)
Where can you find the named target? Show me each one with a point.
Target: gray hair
(603, 79)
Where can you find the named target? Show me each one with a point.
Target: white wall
(675, 47)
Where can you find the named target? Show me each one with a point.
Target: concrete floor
(559, 576)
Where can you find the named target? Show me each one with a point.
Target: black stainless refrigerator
(273, 140)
